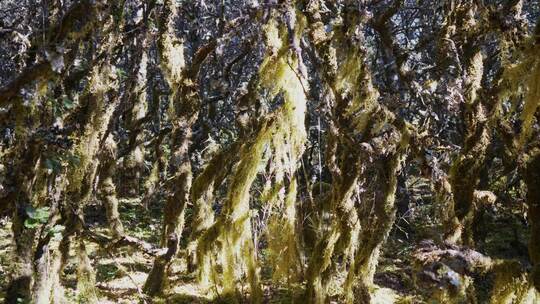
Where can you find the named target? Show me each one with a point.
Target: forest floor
(120, 276)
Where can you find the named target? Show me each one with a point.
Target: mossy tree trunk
(480, 97)
(378, 215)
(184, 111)
(281, 131)
(202, 196)
(22, 274)
(465, 173)
(26, 284)
(106, 189)
(532, 180)
(349, 85)
(81, 179)
(136, 87)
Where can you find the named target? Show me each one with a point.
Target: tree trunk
(106, 188)
(532, 180)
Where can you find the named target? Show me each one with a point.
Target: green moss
(86, 280)
(510, 283)
(532, 100)
(284, 134)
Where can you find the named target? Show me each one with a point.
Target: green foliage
(56, 231)
(36, 216)
(121, 74)
(61, 106)
(67, 103)
(22, 301)
(107, 272)
(55, 163)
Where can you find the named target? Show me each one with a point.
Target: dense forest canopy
(270, 151)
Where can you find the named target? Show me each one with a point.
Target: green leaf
(31, 223)
(42, 214)
(121, 74)
(53, 164)
(68, 103)
(72, 159)
(56, 230)
(48, 164)
(30, 211)
(36, 216)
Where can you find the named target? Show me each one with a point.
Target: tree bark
(532, 180)
(106, 189)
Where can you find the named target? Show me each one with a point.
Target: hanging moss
(287, 146)
(355, 103)
(282, 133)
(202, 196)
(171, 48)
